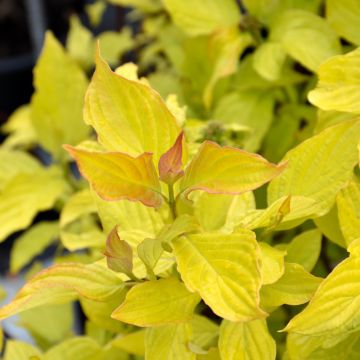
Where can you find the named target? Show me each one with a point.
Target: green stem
(172, 202)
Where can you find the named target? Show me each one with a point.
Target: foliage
(220, 194)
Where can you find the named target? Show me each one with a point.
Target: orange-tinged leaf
(170, 163)
(127, 115)
(227, 170)
(118, 253)
(116, 176)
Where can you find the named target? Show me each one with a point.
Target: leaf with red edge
(117, 176)
(119, 254)
(170, 163)
(227, 170)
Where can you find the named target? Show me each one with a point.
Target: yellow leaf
(20, 129)
(61, 283)
(117, 176)
(168, 342)
(246, 341)
(99, 312)
(204, 331)
(334, 309)
(17, 350)
(339, 347)
(120, 109)
(348, 203)
(339, 83)
(56, 106)
(200, 18)
(79, 204)
(133, 343)
(276, 216)
(221, 211)
(32, 243)
(227, 170)
(330, 227)
(155, 303)
(304, 249)
(272, 263)
(79, 348)
(344, 16)
(224, 270)
(25, 195)
(319, 167)
(295, 287)
(14, 162)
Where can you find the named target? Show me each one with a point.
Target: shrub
(204, 250)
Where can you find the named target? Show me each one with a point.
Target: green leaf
(306, 37)
(334, 309)
(18, 350)
(26, 195)
(62, 283)
(224, 49)
(203, 18)
(295, 287)
(250, 340)
(168, 342)
(117, 176)
(269, 59)
(339, 82)
(80, 43)
(120, 109)
(319, 167)
(56, 106)
(348, 203)
(224, 270)
(256, 108)
(304, 249)
(344, 16)
(114, 44)
(155, 303)
(272, 263)
(227, 170)
(32, 243)
(40, 323)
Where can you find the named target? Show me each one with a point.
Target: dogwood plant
(193, 267)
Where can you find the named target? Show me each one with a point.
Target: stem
(172, 202)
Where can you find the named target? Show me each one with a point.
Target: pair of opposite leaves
(214, 169)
